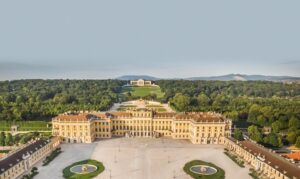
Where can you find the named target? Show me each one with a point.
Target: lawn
(219, 175)
(25, 125)
(142, 91)
(70, 175)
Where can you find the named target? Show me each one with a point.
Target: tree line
(257, 103)
(42, 99)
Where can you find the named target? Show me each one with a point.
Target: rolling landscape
(229, 77)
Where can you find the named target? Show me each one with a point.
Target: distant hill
(229, 77)
(136, 77)
(242, 77)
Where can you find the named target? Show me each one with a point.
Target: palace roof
(164, 114)
(118, 114)
(13, 159)
(79, 117)
(200, 117)
(194, 116)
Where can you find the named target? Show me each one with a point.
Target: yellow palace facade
(85, 127)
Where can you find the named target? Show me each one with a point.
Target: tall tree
(254, 112)
(180, 102)
(298, 142)
(2, 139)
(238, 135)
(276, 126)
(9, 139)
(254, 133)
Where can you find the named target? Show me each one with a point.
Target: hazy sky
(164, 38)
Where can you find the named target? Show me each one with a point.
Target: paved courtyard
(142, 158)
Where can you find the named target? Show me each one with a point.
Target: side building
(21, 161)
(266, 163)
(199, 128)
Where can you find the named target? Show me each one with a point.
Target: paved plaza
(142, 158)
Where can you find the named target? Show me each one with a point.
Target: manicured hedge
(235, 159)
(70, 175)
(52, 156)
(219, 175)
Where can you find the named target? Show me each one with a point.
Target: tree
(2, 139)
(25, 138)
(203, 99)
(254, 111)
(267, 112)
(261, 120)
(219, 101)
(180, 102)
(9, 140)
(298, 142)
(254, 133)
(294, 123)
(276, 126)
(291, 137)
(238, 135)
(273, 140)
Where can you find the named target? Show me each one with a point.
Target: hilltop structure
(141, 82)
(199, 128)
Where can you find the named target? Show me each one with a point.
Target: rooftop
(272, 159)
(17, 157)
(77, 117)
(294, 156)
(195, 116)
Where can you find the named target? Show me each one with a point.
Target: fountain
(83, 169)
(203, 170)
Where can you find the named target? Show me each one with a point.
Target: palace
(141, 82)
(198, 127)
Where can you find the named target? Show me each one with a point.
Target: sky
(97, 39)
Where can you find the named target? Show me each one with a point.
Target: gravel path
(142, 158)
(71, 153)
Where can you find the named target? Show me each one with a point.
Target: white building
(141, 82)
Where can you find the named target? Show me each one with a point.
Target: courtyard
(142, 158)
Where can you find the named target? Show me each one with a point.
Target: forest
(251, 104)
(42, 99)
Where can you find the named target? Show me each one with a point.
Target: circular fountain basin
(83, 169)
(203, 170)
